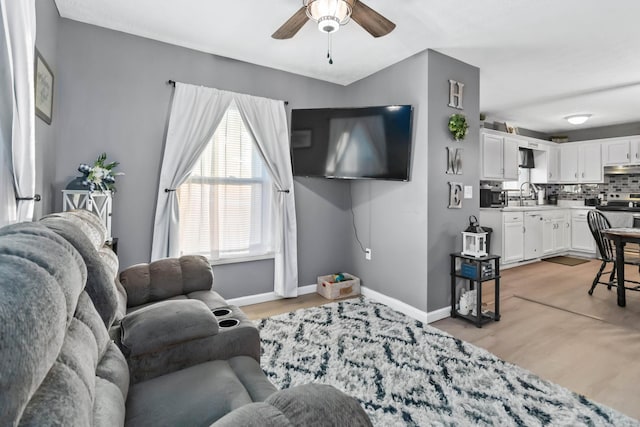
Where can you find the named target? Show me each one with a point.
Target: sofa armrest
(166, 278)
(166, 324)
(166, 337)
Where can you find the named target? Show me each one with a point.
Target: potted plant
(458, 126)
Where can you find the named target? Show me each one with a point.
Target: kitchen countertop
(534, 208)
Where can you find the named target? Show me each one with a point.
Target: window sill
(235, 260)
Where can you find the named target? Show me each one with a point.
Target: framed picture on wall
(43, 88)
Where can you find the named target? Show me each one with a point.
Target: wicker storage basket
(346, 288)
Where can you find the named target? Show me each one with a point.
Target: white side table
(98, 202)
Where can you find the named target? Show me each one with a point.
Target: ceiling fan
(331, 14)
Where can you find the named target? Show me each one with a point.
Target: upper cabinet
(547, 165)
(567, 163)
(621, 152)
(499, 158)
(581, 162)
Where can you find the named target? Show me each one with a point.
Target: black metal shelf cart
(477, 272)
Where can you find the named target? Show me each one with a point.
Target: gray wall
(613, 131)
(445, 225)
(114, 97)
(47, 21)
(391, 217)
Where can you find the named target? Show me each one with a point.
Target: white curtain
(19, 34)
(195, 114)
(266, 120)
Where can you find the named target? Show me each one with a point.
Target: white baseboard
(396, 304)
(402, 307)
(267, 296)
(435, 315)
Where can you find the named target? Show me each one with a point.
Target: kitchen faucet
(532, 186)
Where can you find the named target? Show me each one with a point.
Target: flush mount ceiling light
(330, 15)
(577, 119)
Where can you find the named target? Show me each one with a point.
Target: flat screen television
(352, 143)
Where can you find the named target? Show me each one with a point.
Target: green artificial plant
(458, 126)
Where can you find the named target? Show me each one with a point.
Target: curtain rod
(173, 83)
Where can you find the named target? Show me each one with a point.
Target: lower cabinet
(513, 237)
(556, 232)
(581, 238)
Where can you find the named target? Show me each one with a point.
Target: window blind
(226, 203)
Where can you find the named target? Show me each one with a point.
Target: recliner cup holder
(219, 312)
(228, 323)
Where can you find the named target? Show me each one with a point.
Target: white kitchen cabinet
(562, 231)
(569, 163)
(634, 155)
(621, 152)
(553, 172)
(590, 163)
(581, 238)
(515, 238)
(499, 157)
(512, 237)
(556, 230)
(581, 163)
(616, 152)
(547, 170)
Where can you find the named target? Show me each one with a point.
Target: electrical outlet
(367, 254)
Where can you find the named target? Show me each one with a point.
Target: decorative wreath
(458, 126)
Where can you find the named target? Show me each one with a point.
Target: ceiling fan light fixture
(577, 119)
(328, 24)
(329, 14)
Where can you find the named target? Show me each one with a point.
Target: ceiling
(539, 60)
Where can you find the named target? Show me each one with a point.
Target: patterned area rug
(407, 373)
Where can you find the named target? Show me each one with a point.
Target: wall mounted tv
(352, 143)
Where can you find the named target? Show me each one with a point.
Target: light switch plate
(468, 191)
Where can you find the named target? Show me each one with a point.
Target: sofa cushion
(166, 278)
(196, 396)
(112, 264)
(41, 277)
(100, 284)
(57, 364)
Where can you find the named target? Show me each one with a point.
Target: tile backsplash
(612, 184)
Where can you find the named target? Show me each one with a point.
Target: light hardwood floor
(592, 349)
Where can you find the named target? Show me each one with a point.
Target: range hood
(526, 158)
(622, 170)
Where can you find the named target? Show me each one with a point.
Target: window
(226, 203)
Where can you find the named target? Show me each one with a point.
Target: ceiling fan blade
(374, 23)
(292, 26)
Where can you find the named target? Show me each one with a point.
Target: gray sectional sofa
(79, 348)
